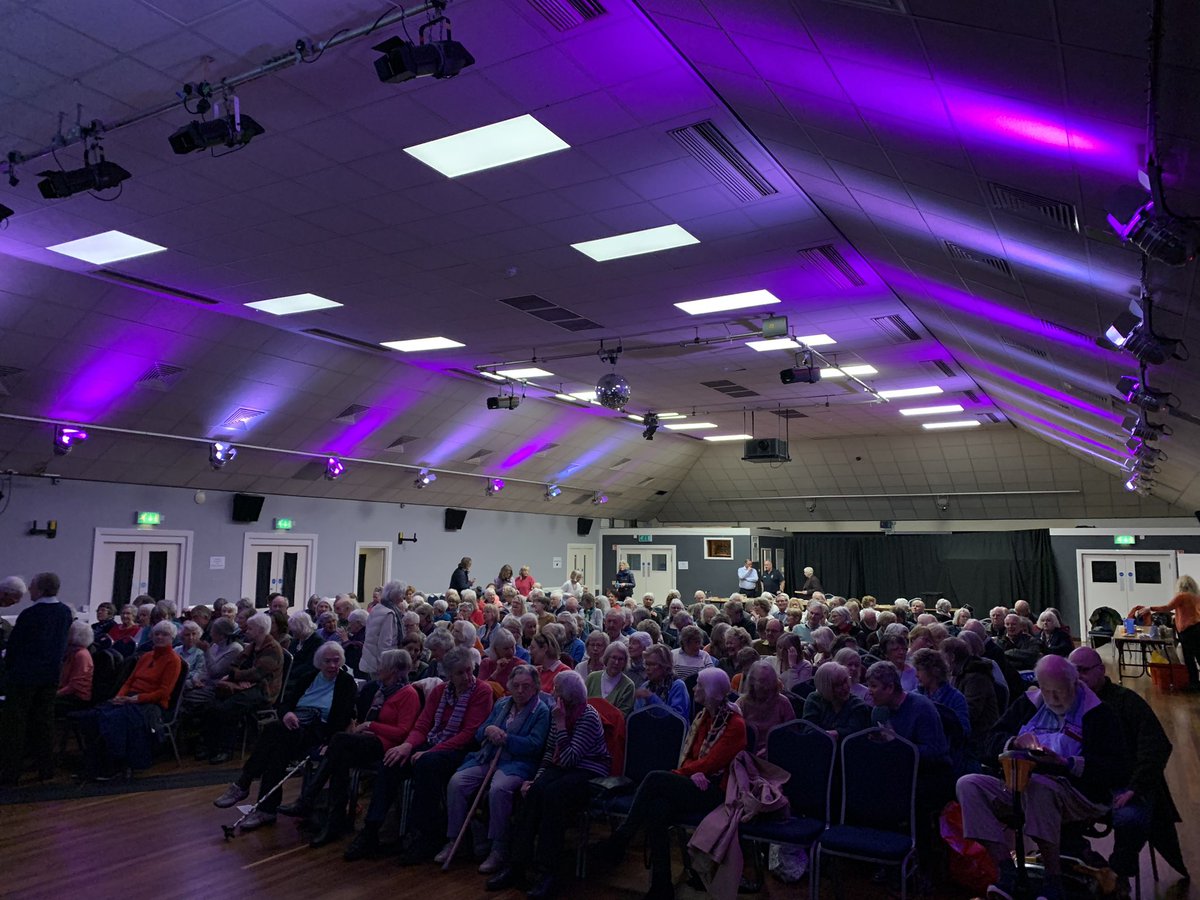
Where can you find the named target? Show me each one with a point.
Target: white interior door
(582, 558)
(1123, 579)
(127, 563)
(373, 567)
(653, 567)
(273, 565)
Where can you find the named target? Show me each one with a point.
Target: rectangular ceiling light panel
(743, 300)
(932, 410)
(716, 438)
(911, 392)
(843, 371)
(415, 345)
(109, 247)
(297, 303)
(773, 344)
(690, 426)
(635, 243)
(488, 147)
(524, 374)
(964, 423)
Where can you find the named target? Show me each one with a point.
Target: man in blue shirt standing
(748, 579)
(33, 661)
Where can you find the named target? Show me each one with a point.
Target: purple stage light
(66, 437)
(334, 468)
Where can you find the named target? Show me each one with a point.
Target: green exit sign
(644, 538)
(283, 524)
(1124, 539)
(149, 518)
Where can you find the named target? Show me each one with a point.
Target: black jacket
(1148, 744)
(341, 710)
(460, 580)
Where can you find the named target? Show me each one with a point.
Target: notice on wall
(682, 564)
(216, 562)
(556, 562)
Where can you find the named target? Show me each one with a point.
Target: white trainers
(234, 794)
(444, 853)
(494, 863)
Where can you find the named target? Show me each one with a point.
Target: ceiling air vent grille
(937, 368)
(478, 456)
(160, 377)
(827, 261)
(241, 416)
(543, 309)
(897, 330)
(7, 372)
(958, 251)
(1026, 348)
(789, 414)
(972, 396)
(567, 14)
(152, 287)
(397, 446)
(351, 413)
(544, 449)
(620, 464)
(1063, 329)
(334, 338)
(1033, 206)
(708, 146)
(729, 389)
(991, 417)
(645, 481)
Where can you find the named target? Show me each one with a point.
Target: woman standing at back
(383, 628)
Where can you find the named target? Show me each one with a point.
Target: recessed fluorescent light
(843, 371)
(727, 437)
(635, 243)
(492, 375)
(932, 410)
(111, 246)
(634, 418)
(964, 423)
(771, 344)
(485, 148)
(524, 374)
(911, 392)
(297, 303)
(585, 396)
(690, 426)
(417, 344)
(568, 398)
(728, 301)
(671, 415)
(816, 340)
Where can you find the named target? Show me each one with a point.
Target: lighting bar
(524, 374)
(718, 438)
(910, 392)
(932, 410)
(690, 426)
(499, 144)
(961, 423)
(635, 243)
(416, 345)
(671, 415)
(107, 247)
(297, 303)
(727, 301)
(492, 375)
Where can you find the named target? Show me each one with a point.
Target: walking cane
(487, 779)
(231, 830)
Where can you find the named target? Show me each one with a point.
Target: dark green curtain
(981, 568)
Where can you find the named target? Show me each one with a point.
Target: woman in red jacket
(717, 735)
(393, 712)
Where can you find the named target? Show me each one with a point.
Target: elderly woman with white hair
(383, 627)
(575, 754)
(324, 708)
(119, 732)
(611, 683)
(12, 589)
(637, 643)
(661, 686)
(1053, 639)
(75, 682)
(464, 634)
(500, 661)
(189, 651)
(252, 683)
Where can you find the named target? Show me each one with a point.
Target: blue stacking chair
(878, 818)
(807, 753)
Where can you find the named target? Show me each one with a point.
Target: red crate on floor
(1168, 676)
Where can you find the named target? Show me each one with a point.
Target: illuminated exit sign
(644, 538)
(149, 518)
(1124, 539)
(283, 524)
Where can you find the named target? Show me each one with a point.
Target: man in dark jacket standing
(1144, 809)
(33, 660)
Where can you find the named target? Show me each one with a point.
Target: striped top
(582, 748)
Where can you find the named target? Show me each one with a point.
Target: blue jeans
(1131, 829)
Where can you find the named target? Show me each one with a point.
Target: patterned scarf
(382, 694)
(1062, 734)
(660, 689)
(714, 733)
(454, 705)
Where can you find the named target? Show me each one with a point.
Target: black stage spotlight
(1132, 215)
(1135, 392)
(505, 401)
(5, 212)
(650, 420)
(58, 184)
(1129, 331)
(403, 61)
(228, 131)
(802, 375)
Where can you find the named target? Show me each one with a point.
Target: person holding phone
(748, 578)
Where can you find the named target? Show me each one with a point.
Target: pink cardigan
(76, 678)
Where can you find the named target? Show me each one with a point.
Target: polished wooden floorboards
(169, 844)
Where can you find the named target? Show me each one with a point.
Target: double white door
(272, 565)
(1123, 579)
(653, 567)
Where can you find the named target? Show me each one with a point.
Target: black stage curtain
(981, 568)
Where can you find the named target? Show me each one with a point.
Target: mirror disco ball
(612, 391)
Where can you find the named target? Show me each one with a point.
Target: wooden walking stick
(487, 779)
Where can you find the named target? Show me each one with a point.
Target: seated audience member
(611, 683)
(327, 627)
(516, 729)
(189, 651)
(513, 625)
(438, 643)
(529, 628)
(324, 708)
(958, 620)
(219, 658)
(430, 753)
(822, 645)
(849, 659)
(738, 618)
(117, 733)
(594, 647)
(391, 716)
(383, 627)
(689, 657)
(575, 754)
(718, 648)
(614, 624)
(1080, 761)
(933, 681)
(105, 620)
(736, 640)
(356, 632)
(1018, 638)
(893, 647)
(279, 628)
(252, 683)
(463, 633)
(716, 736)
(500, 661)
(124, 633)
(75, 681)
(544, 653)
(638, 643)
(1142, 809)
(1005, 674)
(305, 641)
(743, 662)
(832, 707)
(972, 677)
(793, 666)
(909, 715)
(771, 630)
(942, 610)
(841, 621)
(763, 705)
(573, 646)
(1053, 638)
(491, 623)
(661, 686)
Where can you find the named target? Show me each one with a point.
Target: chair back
(106, 674)
(808, 754)
(286, 673)
(653, 738)
(171, 716)
(955, 735)
(614, 732)
(802, 689)
(879, 781)
(797, 704)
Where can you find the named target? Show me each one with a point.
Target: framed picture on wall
(718, 548)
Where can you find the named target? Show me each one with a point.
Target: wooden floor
(167, 844)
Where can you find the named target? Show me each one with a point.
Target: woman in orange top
(75, 683)
(1186, 607)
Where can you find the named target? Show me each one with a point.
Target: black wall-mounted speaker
(247, 507)
(455, 519)
(584, 526)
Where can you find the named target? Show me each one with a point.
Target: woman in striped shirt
(575, 754)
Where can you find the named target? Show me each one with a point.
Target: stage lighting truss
(1131, 332)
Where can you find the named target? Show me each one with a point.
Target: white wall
(489, 537)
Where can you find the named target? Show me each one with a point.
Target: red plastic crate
(1168, 676)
